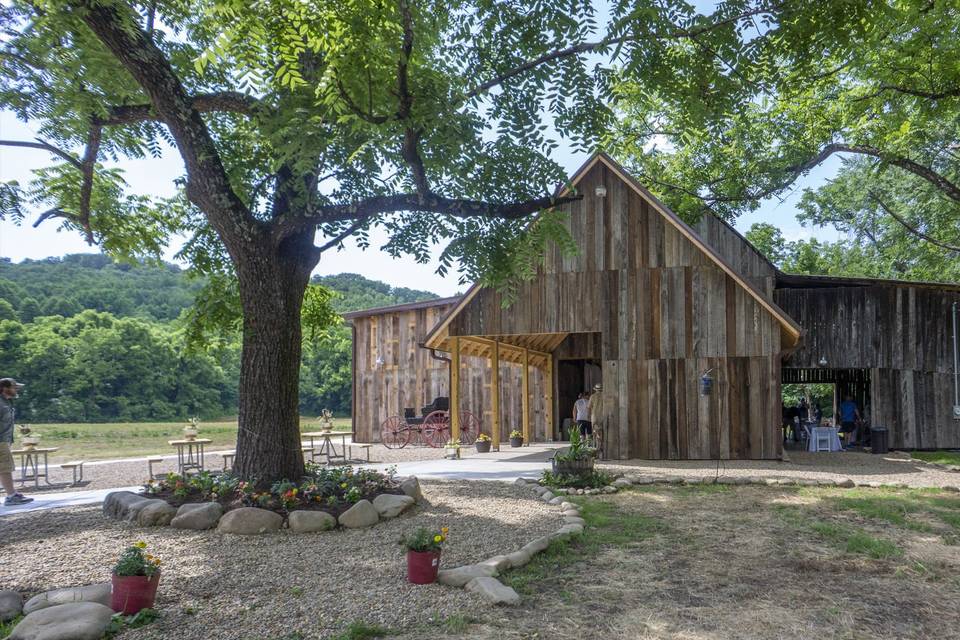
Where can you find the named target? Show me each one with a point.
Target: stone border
(144, 511)
(481, 578)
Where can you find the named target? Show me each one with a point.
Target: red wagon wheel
(469, 427)
(436, 428)
(394, 433)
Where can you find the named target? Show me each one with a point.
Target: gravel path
(106, 475)
(266, 587)
(896, 467)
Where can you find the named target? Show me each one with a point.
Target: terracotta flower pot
(483, 446)
(422, 566)
(130, 594)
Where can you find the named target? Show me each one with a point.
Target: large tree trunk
(272, 284)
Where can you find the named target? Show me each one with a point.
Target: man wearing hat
(8, 391)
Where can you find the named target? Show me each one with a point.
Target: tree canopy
(873, 81)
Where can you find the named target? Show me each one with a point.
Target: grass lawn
(680, 562)
(939, 457)
(126, 439)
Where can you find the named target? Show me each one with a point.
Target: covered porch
(534, 355)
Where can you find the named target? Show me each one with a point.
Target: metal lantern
(706, 384)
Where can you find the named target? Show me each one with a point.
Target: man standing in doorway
(581, 414)
(849, 417)
(596, 410)
(8, 391)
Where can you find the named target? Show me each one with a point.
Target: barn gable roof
(790, 330)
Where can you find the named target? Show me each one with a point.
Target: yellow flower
(343, 485)
(140, 544)
(444, 530)
(437, 538)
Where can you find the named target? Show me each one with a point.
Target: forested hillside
(98, 341)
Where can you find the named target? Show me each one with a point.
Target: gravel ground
(106, 475)
(896, 467)
(219, 586)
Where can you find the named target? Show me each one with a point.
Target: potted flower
(423, 554)
(28, 441)
(483, 443)
(135, 579)
(576, 459)
(191, 430)
(325, 420)
(452, 448)
(516, 438)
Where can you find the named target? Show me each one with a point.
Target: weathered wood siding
(738, 253)
(902, 334)
(665, 313)
(409, 377)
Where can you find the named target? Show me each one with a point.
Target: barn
(652, 308)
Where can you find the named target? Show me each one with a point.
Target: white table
(190, 455)
(30, 464)
(830, 432)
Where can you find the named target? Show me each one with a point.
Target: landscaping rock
(311, 521)
(493, 591)
(362, 514)
(500, 563)
(547, 496)
(536, 546)
(570, 513)
(846, 483)
(672, 479)
(540, 490)
(567, 530)
(126, 505)
(73, 621)
(573, 520)
(197, 516)
(564, 506)
(11, 604)
(390, 506)
(249, 521)
(518, 558)
(98, 593)
(643, 480)
(952, 489)
(460, 576)
(609, 489)
(411, 487)
(621, 482)
(557, 500)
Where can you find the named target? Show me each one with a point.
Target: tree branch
(221, 101)
(46, 146)
(87, 167)
(457, 208)
(343, 235)
(911, 228)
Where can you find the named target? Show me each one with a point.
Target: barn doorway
(826, 388)
(573, 378)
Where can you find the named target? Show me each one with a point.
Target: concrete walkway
(506, 465)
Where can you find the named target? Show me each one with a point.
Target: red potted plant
(134, 580)
(423, 554)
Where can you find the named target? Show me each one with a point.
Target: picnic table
(190, 456)
(327, 447)
(30, 461)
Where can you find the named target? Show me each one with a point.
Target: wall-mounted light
(706, 383)
(601, 191)
(378, 362)
(823, 361)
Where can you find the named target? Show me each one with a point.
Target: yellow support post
(549, 398)
(525, 403)
(495, 395)
(455, 389)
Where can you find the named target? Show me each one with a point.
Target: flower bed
(330, 489)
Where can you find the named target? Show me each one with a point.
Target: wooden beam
(525, 401)
(455, 388)
(495, 395)
(549, 389)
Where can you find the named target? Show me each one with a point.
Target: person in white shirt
(581, 414)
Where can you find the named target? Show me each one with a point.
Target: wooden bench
(228, 457)
(152, 461)
(360, 445)
(76, 466)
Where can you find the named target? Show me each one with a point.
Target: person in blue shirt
(849, 418)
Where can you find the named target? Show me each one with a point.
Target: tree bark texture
(272, 284)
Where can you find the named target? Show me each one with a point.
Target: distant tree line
(98, 341)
